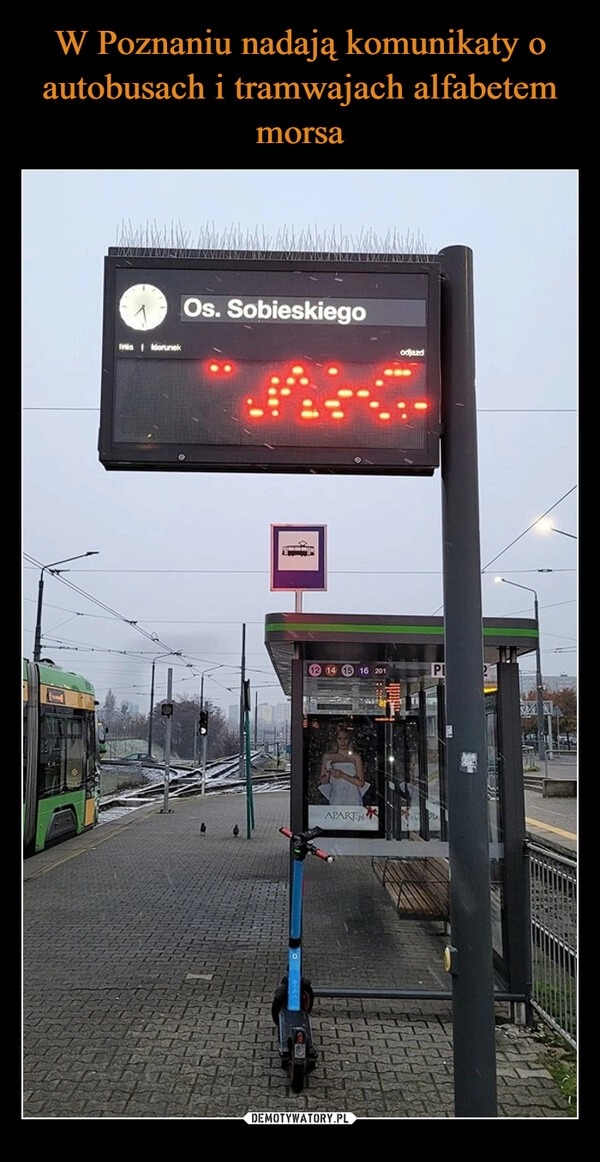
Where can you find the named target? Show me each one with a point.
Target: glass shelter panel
(372, 752)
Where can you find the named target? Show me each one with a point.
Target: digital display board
(276, 365)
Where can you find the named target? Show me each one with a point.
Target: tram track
(221, 777)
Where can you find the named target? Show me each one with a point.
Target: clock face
(142, 307)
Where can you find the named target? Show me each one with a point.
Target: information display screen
(284, 366)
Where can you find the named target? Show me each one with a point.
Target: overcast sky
(186, 556)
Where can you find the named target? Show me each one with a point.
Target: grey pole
(242, 763)
(168, 743)
(167, 654)
(539, 681)
(204, 738)
(37, 646)
(151, 710)
(204, 742)
(539, 686)
(195, 755)
(38, 622)
(296, 821)
(469, 956)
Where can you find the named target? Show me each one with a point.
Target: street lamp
(539, 685)
(547, 527)
(167, 654)
(38, 623)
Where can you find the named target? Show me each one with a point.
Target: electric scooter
(294, 997)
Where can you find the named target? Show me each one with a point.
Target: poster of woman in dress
(344, 773)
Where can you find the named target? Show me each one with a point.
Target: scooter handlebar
(323, 854)
(309, 846)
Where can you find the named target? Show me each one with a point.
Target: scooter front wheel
(280, 998)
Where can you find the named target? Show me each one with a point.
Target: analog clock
(142, 306)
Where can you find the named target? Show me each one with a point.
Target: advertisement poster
(344, 776)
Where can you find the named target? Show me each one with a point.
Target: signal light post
(203, 732)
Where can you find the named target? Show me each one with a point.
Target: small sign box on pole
(298, 558)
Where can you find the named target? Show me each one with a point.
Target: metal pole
(539, 681)
(470, 956)
(297, 808)
(167, 654)
(539, 685)
(151, 712)
(38, 623)
(242, 763)
(204, 738)
(204, 741)
(168, 742)
(249, 799)
(195, 755)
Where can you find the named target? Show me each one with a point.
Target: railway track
(222, 777)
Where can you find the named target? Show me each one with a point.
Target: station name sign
(379, 312)
(270, 365)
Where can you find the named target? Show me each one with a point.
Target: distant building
(551, 683)
(265, 713)
(283, 713)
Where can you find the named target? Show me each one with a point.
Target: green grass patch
(561, 1063)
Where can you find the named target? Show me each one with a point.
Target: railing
(529, 758)
(553, 890)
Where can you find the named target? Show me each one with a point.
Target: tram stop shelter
(380, 680)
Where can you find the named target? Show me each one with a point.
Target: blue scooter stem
(295, 948)
(293, 998)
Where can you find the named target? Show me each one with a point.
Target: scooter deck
(288, 1021)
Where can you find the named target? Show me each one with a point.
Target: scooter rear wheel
(298, 1061)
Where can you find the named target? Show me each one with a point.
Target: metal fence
(553, 880)
(529, 758)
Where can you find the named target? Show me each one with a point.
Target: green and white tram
(61, 777)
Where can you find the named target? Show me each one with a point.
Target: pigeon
(236, 830)
(203, 828)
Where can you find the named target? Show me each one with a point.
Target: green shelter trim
(322, 627)
(414, 641)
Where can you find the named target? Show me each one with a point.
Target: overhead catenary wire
(156, 640)
(520, 536)
(529, 528)
(152, 637)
